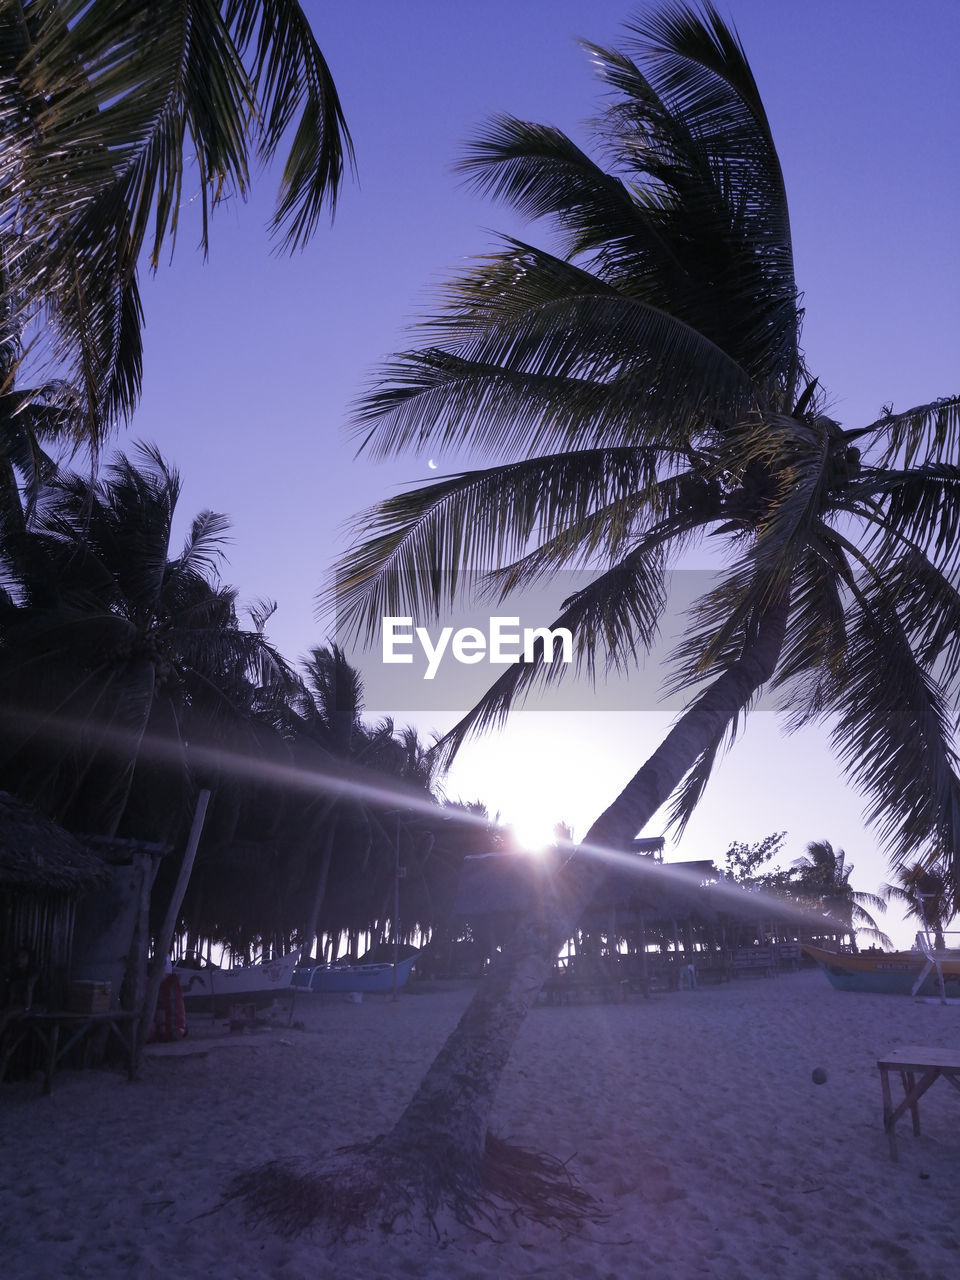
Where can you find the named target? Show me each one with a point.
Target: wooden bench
(912, 1058)
(586, 978)
(757, 960)
(713, 966)
(46, 1027)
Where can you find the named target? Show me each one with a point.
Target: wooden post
(136, 980)
(165, 937)
(394, 924)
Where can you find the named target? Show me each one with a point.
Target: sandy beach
(691, 1116)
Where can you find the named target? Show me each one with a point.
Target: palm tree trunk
(113, 803)
(320, 889)
(447, 1117)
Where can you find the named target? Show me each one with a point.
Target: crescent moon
(432, 465)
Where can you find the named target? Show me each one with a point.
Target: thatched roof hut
(43, 869)
(37, 854)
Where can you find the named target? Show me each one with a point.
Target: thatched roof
(37, 853)
(648, 845)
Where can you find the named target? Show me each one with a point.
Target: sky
(253, 360)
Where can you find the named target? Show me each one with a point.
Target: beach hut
(112, 936)
(496, 889)
(43, 872)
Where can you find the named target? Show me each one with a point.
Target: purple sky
(252, 360)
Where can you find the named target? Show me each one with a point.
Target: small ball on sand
(819, 1075)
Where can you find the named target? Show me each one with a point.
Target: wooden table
(908, 1060)
(47, 1028)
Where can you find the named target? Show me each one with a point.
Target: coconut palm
(343, 847)
(823, 874)
(329, 718)
(928, 893)
(114, 115)
(108, 637)
(636, 388)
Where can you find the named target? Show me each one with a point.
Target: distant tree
(823, 876)
(344, 846)
(929, 894)
(742, 862)
(110, 640)
(329, 718)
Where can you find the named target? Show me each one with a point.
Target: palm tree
(329, 714)
(106, 639)
(928, 893)
(342, 848)
(824, 875)
(112, 117)
(639, 388)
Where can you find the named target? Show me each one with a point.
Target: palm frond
(293, 82)
(478, 519)
(542, 173)
(111, 110)
(536, 353)
(699, 68)
(816, 632)
(690, 792)
(765, 573)
(919, 506)
(203, 549)
(933, 428)
(894, 735)
(616, 616)
(712, 186)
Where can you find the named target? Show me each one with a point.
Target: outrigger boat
(250, 982)
(353, 977)
(916, 973)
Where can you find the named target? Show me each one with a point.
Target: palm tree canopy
(113, 115)
(928, 893)
(107, 634)
(823, 873)
(640, 385)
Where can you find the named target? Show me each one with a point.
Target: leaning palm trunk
(449, 1113)
(438, 1158)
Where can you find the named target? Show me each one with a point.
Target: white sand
(692, 1116)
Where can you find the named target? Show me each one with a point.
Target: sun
(533, 832)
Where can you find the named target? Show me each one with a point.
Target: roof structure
(638, 888)
(512, 883)
(36, 852)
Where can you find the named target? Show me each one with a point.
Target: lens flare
(339, 781)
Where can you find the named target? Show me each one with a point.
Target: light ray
(349, 782)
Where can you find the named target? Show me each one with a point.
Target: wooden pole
(396, 911)
(165, 937)
(136, 981)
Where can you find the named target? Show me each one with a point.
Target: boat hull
(350, 978)
(253, 982)
(890, 973)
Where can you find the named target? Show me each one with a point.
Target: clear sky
(252, 360)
